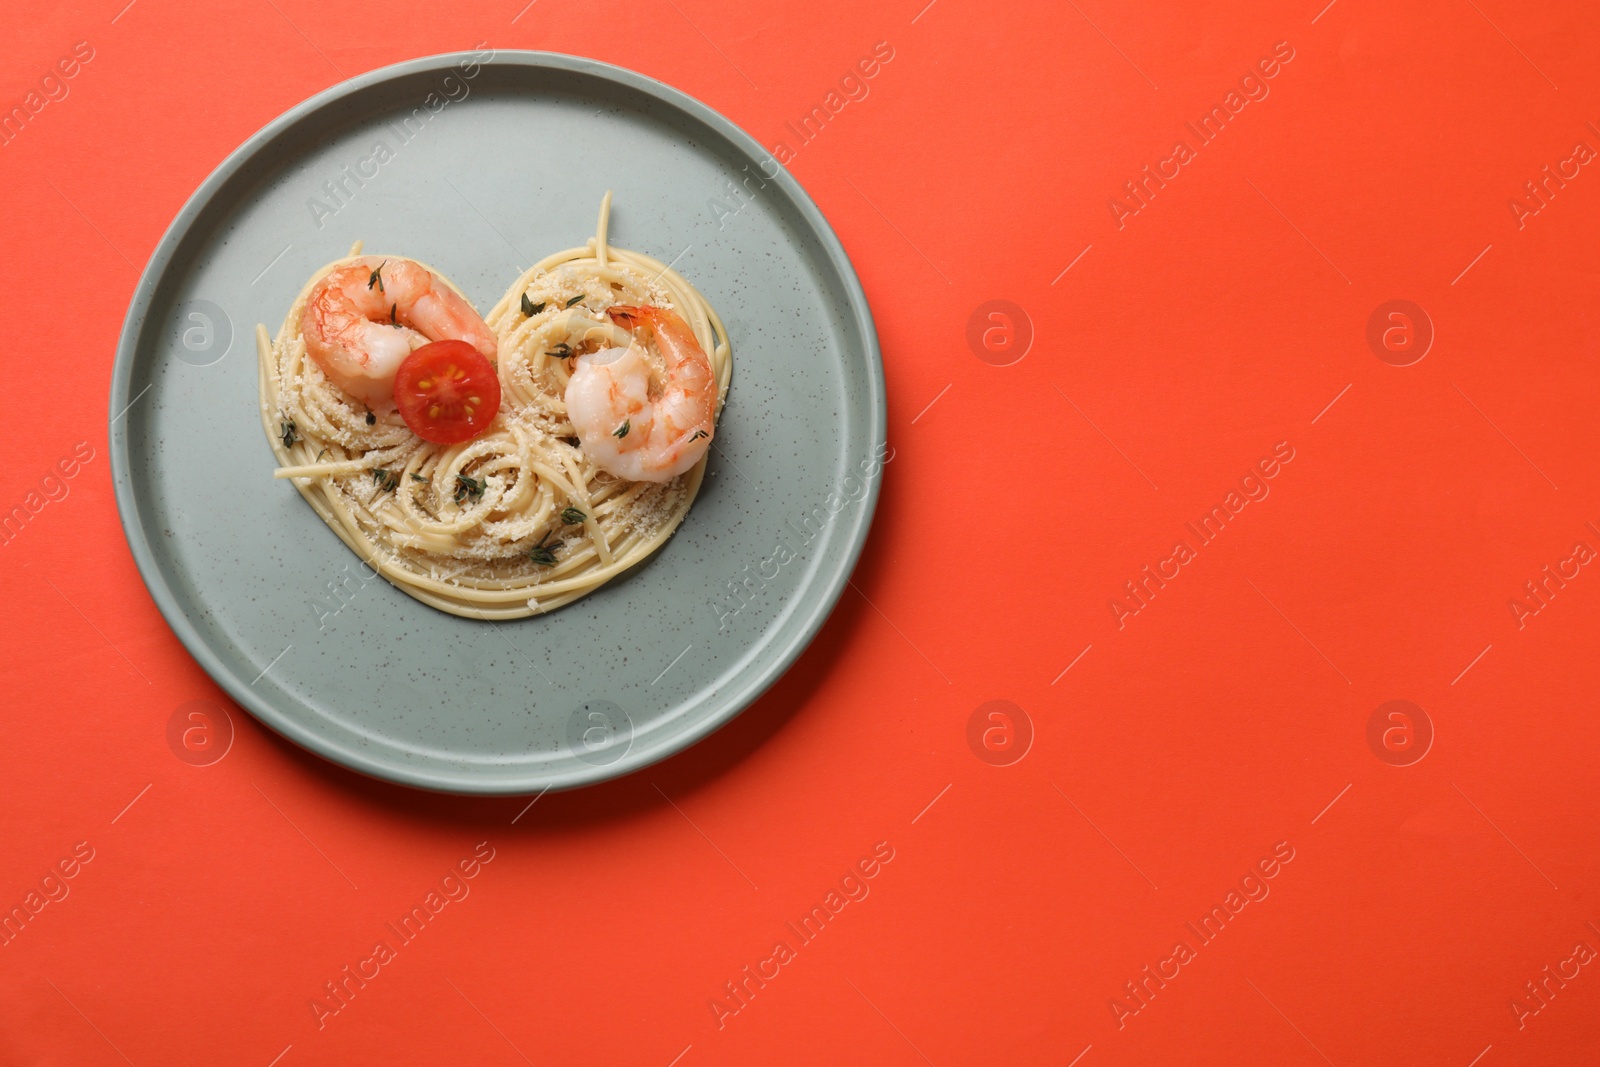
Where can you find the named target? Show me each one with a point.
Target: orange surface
(1203, 346)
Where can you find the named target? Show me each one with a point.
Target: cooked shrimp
(628, 428)
(364, 318)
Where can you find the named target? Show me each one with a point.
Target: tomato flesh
(447, 392)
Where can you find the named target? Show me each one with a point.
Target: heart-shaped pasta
(543, 506)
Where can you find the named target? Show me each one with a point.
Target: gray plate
(486, 167)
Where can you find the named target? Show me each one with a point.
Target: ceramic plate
(481, 164)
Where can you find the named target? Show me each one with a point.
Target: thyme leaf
(572, 516)
(543, 553)
(575, 300)
(529, 308)
(621, 431)
(387, 480)
(376, 278)
(471, 488)
(288, 434)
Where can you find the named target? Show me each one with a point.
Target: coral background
(1166, 754)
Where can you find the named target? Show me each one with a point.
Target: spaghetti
(518, 520)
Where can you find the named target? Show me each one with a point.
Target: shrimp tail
(629, 317)
(672, 334)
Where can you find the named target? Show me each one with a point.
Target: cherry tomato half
(447, 392)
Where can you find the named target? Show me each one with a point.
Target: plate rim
(353, 758)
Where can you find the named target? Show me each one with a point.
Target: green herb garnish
(289, 434)
(470, 488)
(376, 278)
(544, 554)
(417, 477)
(572, 516)
(392, 320)
(698, 434)
(529, 308)
(575, 300)
(387, 480)
(561, 351)
(371, 419)
(621, 431)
